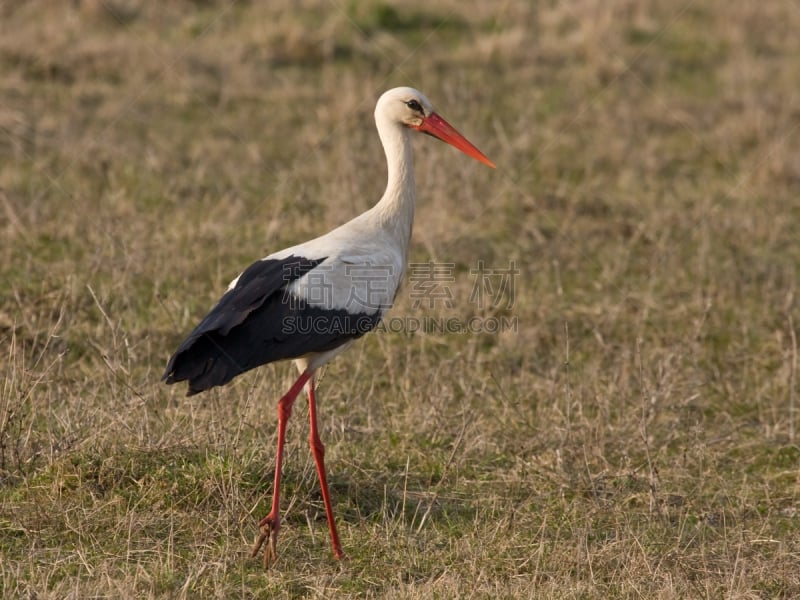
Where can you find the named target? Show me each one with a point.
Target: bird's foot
(267, 532)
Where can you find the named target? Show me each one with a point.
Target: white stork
(309, 302)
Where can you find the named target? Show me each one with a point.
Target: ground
(619, 422)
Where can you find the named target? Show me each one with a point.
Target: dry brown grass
(635, 437)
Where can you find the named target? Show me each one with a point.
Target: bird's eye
(414, 105)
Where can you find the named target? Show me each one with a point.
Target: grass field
(634, 435)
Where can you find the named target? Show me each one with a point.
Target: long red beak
(438, 127)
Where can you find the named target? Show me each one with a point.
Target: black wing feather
(256, 322)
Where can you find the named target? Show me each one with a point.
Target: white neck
(395, 210)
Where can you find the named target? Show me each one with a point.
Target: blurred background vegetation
(634, 436)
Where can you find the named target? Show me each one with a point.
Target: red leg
(269, 525)
(319, 458)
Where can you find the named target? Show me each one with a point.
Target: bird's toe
(267, 532)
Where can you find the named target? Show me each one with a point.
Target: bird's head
(411, 108)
